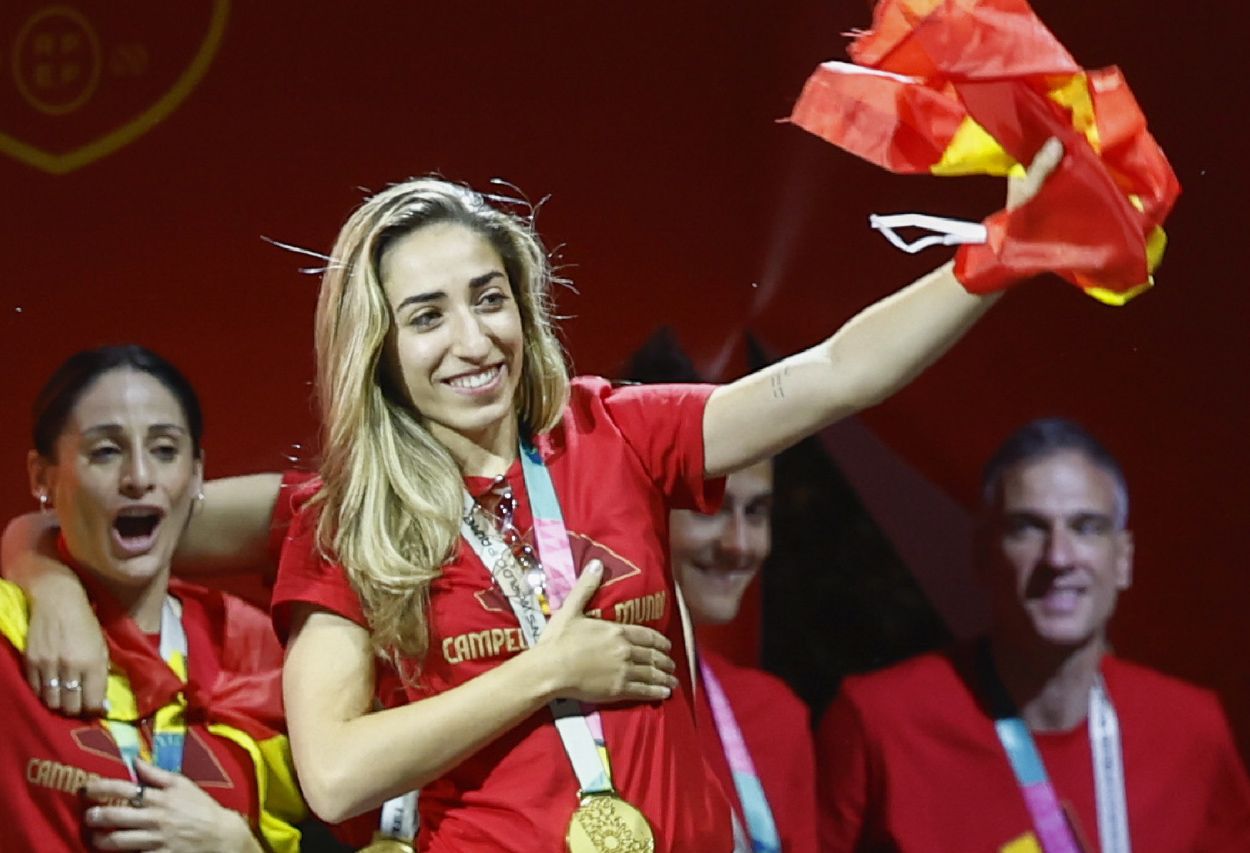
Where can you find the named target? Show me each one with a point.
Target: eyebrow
(476, 283)
(110, 429)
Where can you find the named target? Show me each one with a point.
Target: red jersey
(47, 758)
(776, 728)
(909, 760)
(620, 459)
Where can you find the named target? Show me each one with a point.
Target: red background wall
(677, 198)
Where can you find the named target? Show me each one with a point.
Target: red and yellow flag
(962, 87)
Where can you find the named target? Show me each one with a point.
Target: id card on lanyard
(1049, 821)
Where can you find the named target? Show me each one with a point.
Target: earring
(44, 503)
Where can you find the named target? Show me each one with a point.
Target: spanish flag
(963, 87)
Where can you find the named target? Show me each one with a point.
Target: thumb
(153, 776)
(1022, 190)
(579, 596)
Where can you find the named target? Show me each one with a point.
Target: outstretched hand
(1047, 159)
(598, 661)
(165, 811)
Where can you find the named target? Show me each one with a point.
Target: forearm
(349, 766)
(229, 530)
(28, 558)
(875, 354)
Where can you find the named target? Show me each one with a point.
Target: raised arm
(346, 756)
(876, 353)
(230, 529)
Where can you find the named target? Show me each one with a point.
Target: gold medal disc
(604, 823)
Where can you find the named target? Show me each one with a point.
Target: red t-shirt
(776, 728)
(47, 759)
(910, 761)
(620, 459)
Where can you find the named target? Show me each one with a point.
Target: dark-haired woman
(189, 755)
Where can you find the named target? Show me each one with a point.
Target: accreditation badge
(386, 844)
(604, 823)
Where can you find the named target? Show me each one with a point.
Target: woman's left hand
(166, 811)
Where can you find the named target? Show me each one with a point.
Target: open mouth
(134, 528)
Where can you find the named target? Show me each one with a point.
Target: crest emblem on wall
(80, 80)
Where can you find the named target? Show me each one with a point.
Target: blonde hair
(391, 494)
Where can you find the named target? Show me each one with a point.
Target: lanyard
(580, 730)
(759, 816)
(169, 722)
(1039, 794)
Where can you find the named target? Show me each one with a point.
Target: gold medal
(386, 844)
(604, 823)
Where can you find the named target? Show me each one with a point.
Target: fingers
(155, 777)
(653, 658)
(579, 596)
(121, 817)
(1044, 163)
(128, 839)
(67, 687)
(119, 790)
(640, 635)
(94, 684)
(648, 682)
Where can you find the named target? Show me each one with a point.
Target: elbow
(329, 789)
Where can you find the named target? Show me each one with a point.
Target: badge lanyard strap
(759, 817)
(552, 541)
(1039, 794)
(578, 728)
(169, 722)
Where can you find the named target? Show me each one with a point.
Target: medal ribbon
(759, 817)
(1049, 821)
(169, 722)
(580, 729)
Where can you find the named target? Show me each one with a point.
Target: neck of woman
(1050, 685)
(484, 453)
(143, 604)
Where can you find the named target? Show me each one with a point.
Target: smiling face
(123, 478)
(1057, 558)
(715, 557)
(455, 347)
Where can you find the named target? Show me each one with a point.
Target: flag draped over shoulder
(962, 87)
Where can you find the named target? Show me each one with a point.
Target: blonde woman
(437, 372)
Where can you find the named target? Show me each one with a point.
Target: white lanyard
(1104, 740)
(572, 722)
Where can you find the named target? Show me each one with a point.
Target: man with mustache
(1037, 736)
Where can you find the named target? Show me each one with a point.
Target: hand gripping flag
(962, 87)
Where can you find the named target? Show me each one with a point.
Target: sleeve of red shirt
(304, 575)
(1228, 792)
(294, 485)
(842, 769)
(663, 425)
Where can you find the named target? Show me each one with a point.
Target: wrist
(54, 583)
(541, 674)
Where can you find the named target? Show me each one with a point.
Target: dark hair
(1046, 437)
(661, 359)
(81, 370)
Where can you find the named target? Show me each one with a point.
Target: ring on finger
(72, 684)
(53, 683)
(136, 799)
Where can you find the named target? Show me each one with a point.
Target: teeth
(475, 380)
